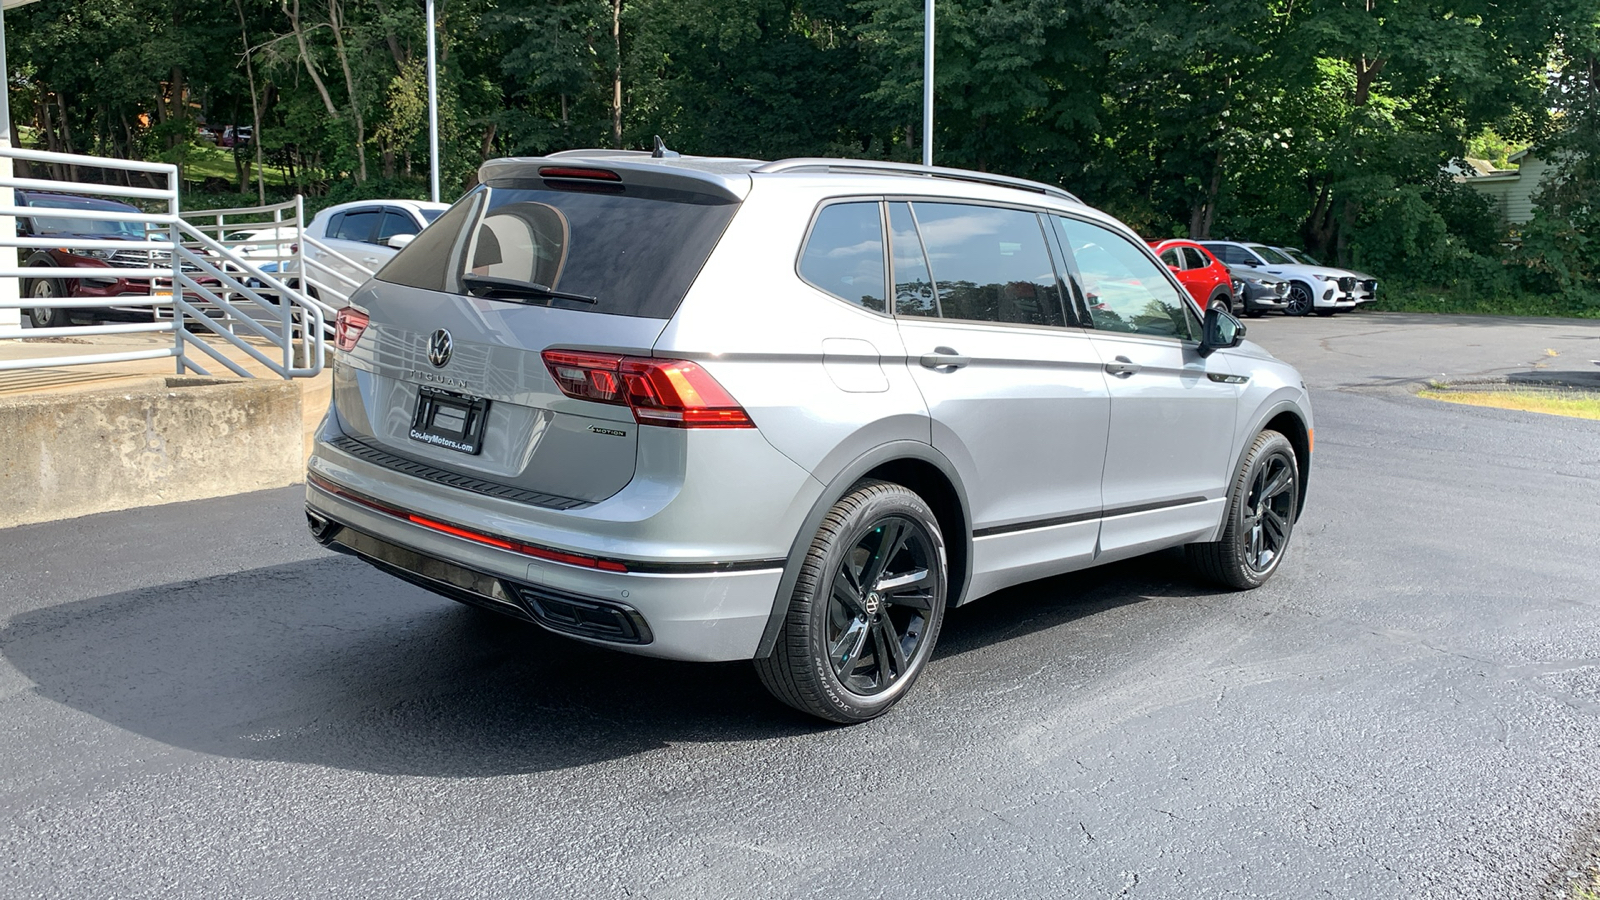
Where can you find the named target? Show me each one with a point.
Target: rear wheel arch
(912, 464)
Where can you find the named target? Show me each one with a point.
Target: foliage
(1320, 123)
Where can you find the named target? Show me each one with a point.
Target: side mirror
(1173, 268)
(400, 241)
(1221, 330)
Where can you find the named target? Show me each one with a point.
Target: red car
(1208, 281)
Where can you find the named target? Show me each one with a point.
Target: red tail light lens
(348, 325)
(675, 393)
(578, 172)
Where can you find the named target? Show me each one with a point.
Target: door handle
(944, 358)
(1122, 367)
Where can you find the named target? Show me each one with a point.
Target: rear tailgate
(447, 380)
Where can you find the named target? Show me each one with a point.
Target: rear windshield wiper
(494, 287)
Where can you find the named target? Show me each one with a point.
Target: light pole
(433, 110)
(927, 82)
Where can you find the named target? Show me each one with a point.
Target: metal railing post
(178, 332)
(300, 264)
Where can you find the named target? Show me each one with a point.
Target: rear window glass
(631, 250)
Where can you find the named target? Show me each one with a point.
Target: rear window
(631, 250)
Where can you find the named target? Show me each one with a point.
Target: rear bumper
(681, 612)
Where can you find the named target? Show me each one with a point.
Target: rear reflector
(576, 172)
(348, 325)
(675, 393)
(467, 534)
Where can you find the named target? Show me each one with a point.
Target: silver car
(720, 409)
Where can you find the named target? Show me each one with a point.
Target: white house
(1511, 190)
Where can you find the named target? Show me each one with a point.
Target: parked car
(1366, 289)
(366, 233)
(110, 288)
(717, 409)
(1316, 289)
(233, 135)
(1263, 292)
(1208, 281)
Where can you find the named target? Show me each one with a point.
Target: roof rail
(875, 167)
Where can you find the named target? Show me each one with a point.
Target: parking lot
(198, 701)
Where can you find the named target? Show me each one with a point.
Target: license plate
(448, 420)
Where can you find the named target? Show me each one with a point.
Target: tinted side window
(1171, 257)
(1194, 259)
(357, 225)
(913, 286)
(1234, 256)
(989, 264)
(1125, 289)
(395, 222)
(843, 254)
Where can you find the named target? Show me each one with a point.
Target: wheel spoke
(896, 582)
(1277, 528)
(845, 654)
(891, 656)
(893, 531)
(1279, 482)
(847, 593)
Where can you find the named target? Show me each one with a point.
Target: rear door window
(989, 264)
(615, 248)
(1194, 259)
(843, 255)
(356, 225)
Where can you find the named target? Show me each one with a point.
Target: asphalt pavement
(197, 701)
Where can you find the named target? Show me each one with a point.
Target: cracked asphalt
(197, 701)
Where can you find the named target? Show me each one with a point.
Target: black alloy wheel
(866, 609)
(1262, 505)
(1300, 300)
(45, 289)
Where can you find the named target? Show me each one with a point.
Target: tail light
(675, 393)
(348, 325)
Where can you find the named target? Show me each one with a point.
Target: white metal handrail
(198, 276)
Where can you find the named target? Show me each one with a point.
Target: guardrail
(193, 283)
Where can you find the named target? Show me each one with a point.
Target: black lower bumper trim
(559, 611)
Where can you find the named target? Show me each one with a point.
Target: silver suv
(719, 409)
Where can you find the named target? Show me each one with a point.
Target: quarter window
(844, 254)
(1125, 289)
(395, 222)
(989, 264)
(1171, 257)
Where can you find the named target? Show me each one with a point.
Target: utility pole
(433, 110)
(927, 82)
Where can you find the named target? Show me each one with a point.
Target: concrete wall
(167, 439)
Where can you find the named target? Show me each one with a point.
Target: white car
(1366, 286)
(1318, 289)
(355, 239)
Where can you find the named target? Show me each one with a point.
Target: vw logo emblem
(439, 348)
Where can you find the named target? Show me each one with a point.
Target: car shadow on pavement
(329, 663)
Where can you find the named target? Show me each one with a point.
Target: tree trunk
(300, 38)
(335, 17)
(616, 74)
(255, 110)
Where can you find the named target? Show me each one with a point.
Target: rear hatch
(447, 380)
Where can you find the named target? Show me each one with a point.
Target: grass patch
(1466, 301)
(1575, 404)
(201, 162)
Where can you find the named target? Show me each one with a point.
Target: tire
(1262, 504)
(841, 611)
(46, 316)
(1301, 300)
(1220, 301)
